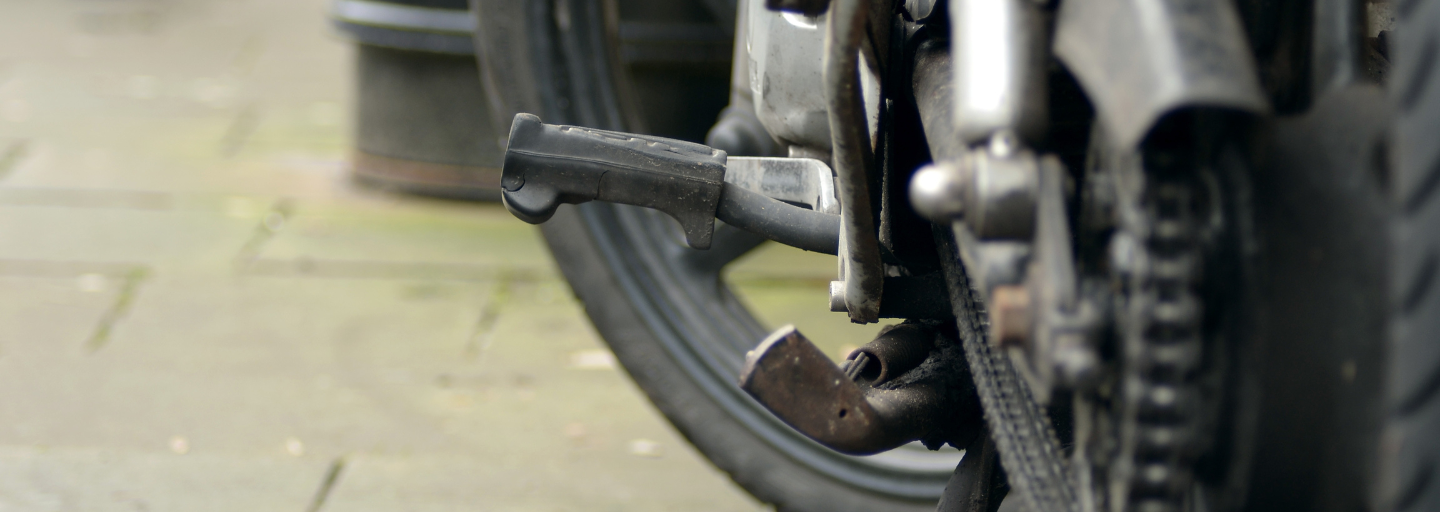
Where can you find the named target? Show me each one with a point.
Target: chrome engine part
(999, 59)
(786, 76)
(992, 189)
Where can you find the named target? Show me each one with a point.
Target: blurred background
(226, 281)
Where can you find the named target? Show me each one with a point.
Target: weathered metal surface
(929, 401)
(853, 158)
(785, 74)
(795, 380)
(897, 350)
(804, 181)
(1140, 59)
(422, 125)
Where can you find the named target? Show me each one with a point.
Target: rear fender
(1141, 59)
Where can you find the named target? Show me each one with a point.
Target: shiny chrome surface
(999, 55)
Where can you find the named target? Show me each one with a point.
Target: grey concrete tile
(428, 344)
(73, 480)
(430, 232)
(571, 482)
(183, 241)
(371, 368)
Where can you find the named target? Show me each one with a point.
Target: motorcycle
(1137, 255)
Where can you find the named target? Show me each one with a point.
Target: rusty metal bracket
(888, 407)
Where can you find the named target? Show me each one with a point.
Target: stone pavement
(199, 311)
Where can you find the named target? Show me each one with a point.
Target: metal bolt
(937, 191)
(837, 297)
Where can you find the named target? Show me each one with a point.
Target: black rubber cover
(781, 222)
(546, 165)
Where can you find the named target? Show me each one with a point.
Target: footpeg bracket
(794, 379)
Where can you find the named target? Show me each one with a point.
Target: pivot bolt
(992, 189)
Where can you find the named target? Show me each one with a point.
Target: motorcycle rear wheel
(664, 309)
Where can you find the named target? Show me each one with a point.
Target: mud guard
(1140, 59)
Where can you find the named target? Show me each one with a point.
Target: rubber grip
(547, 165)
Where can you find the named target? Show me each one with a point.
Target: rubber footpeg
(547, 165)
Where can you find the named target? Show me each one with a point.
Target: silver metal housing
(999, 52)
(1140, 59)
(804, 181)
(786, 75)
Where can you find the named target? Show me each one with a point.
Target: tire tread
(1411, 450)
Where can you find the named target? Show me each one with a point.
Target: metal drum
(422, 123)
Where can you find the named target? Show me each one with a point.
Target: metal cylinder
(1001, 197)
(999, 51)
(434, 26)
(897, 350)
(422, 124)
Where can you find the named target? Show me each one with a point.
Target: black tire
(646, 323)
(1410, 447)
(1354, 252)
(663, 309)
(1321, 221)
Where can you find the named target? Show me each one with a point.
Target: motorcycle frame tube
(853, 157)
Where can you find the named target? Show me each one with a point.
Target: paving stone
(199, 311)
(52, 479)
